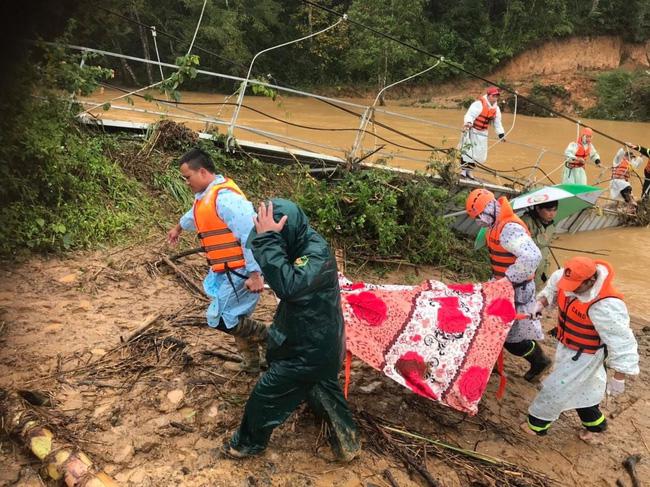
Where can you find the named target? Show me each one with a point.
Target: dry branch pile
(385, 438)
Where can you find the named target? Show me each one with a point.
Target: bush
(545, 95)
(375, 213)
(622, 95)
(59, 190)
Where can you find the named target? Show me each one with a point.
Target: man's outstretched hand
(174, 234)
(264, 221)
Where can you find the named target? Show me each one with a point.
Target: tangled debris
(412, 448)
(173, 136)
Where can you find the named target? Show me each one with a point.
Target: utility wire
(426, 144)
(459, 68)
(440, 58)
(281, 120)
(225, 59)
(171, 36)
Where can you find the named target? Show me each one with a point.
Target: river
(528, 138)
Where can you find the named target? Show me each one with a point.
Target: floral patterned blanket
(441, 341)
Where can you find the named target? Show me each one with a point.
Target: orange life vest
(581, 153)
(622, 171)
(222, 249)
(500, 258)
(485, 117)
(575, 329)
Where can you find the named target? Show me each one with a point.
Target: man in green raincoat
(540, 220)
(306, 342)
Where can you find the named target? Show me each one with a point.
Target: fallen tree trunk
(60, 459)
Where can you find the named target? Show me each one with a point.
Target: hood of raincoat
(296, 231)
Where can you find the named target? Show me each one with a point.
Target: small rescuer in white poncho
(622, 167)
(577, 154)
(593, 330)
(479, 116)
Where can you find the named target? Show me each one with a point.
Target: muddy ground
(154, 411)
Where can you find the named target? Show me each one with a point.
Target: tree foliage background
(476, 34)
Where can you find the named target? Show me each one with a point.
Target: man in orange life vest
(223, 218)
(593, 328)
(474, 142)
(513, 256)
(622, 167)
(577, 154)
(644, 151)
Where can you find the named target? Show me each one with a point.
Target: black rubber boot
(539, 362)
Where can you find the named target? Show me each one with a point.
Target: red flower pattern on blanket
(473, 382)
(368, 307)
(412, 367)
(441, 341)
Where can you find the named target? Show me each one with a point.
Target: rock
(213, 411)
(372, 387)
(185, 470)
(124, 452)
(175, 396)
(171, 401)
(137, 476)
(99, 411)
(68, 278)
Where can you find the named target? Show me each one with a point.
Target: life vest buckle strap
(212, 233)
(227, 245)
(225, 260)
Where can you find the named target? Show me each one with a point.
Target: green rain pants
(279, 391)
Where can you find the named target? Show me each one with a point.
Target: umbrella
(571, 198)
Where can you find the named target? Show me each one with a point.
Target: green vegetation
(475, 34)
(545, 95)
(622, 95)
(59, 189)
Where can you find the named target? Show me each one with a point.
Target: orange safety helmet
(477, 200)
(586, 131)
